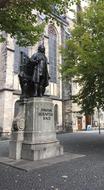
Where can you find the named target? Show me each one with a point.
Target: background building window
(52, 54)
(17, 57)
(56, 114)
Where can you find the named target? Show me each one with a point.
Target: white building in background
(67, 116)
(71, 111)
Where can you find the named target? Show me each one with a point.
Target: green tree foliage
(18, 19)
(84, 58)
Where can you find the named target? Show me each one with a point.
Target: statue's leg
(35, 90)
(41, 87)
(41, 90)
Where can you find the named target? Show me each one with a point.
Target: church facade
(10, 57)
(58, 91)
(66, 113)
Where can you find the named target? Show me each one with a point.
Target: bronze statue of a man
(40, 73)
(37, 73)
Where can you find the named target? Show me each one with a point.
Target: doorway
(79, 123)
(88, 120)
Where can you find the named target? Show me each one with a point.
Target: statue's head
(41, 48)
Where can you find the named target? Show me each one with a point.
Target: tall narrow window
(52, 54)
(56, 114)
(17, 56)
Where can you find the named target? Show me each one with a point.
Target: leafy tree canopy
(19, 20)
(84, 57)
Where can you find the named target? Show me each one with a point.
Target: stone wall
(3, 57)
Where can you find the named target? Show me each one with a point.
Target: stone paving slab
(31, 165)
(78, 173)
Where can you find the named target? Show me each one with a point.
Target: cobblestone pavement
(84, 173)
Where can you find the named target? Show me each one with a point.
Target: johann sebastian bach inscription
(46, 114)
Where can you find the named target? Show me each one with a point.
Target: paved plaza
(80, 168)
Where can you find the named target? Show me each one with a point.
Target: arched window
(56, 114)
(17, 56)
(52, 54)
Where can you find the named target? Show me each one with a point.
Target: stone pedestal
(33, 135)
(39, 135)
